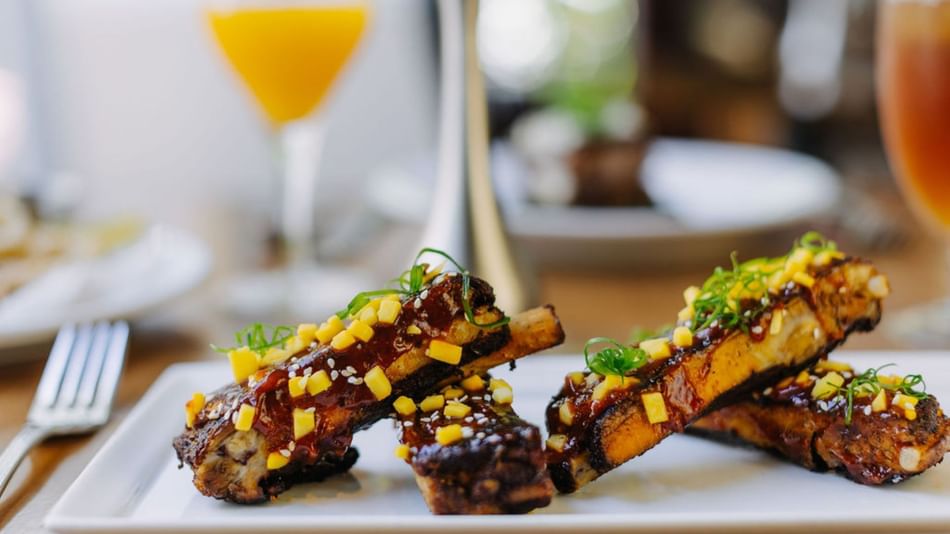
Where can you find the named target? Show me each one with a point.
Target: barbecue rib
(292, 436)
(471, 453)
(597, 423)
(887, 440)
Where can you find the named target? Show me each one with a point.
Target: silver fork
(76, 390)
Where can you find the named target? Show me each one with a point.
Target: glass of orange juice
(913, 87)
(289, 53)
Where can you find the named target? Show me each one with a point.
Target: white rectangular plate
(685, 483)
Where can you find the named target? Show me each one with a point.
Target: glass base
(303, 295)
(922, 327)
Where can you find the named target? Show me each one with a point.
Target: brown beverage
(913, 84)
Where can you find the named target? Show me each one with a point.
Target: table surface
(589, 304)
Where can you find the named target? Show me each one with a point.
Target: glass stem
(301, 146)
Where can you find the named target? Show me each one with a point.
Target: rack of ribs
(291, 414)
(598, 422)
(470, 452)
(887, 434)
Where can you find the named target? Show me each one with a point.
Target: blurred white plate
(162, 264)
(686, 483)
(709, 197)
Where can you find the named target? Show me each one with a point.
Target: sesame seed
(480, 435)
(816, 332)
(417, 303)
(467, 432)
(292, 374)
(407, 424)
(308, 371)
(425, 419)
(313, 344)
(469, 419)
(334, 374)
(767, 391)
(350, 369)
(424, 295)
(293, 359)
(867, 410)
(285, 453)
(291, 446)
(756, 329)
(352, 380)
(311, 409)
(487, 398)
(234, 417)
(331, 363)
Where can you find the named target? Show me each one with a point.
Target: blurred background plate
(162, 264)
(708, 197)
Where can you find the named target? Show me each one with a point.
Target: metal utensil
(76, 390)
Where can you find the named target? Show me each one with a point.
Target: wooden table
(588, 304)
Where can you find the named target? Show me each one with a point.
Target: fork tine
(112, 366)
(75, 365)
(97, 354)
(55, 366)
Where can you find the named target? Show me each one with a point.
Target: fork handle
(26, 438)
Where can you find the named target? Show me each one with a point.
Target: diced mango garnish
(803, 378)
(803, 279)
(452, 393)
(826, 256)
(245, 418)
(368, 315)
(193, 407)
(473, 383)
(448, 434)
(910, 414)
(609, 383)
(413, 330)
(690, 294)
(682, 337)
(879, 286)
(244, 363)
(657, 348)
(318, 382)
(686, 313)
(307, 332)
(890, 380)
(389, 311)
(905, 401)
(496, 383)
(402, 452)
(404, 406)
(274, 356)
(304, 423)
(655, 407)
(378, 383)
(360, 330)
(827, 385)
(503, 395)
(331, 327)
(276, 460)
(577, 378)
(295, 344)
(566, 413)
(444, 352)
(456, 410)
(432, 403)
(831, 365)
(297, 386)
(556, 442)
(777, 280)
(775, 327)
(879, 404)
(342, 340)
(798, 261)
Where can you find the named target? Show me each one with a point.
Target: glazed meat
(886, 436)
(293, 420)
(597, 422)
(470, 452)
